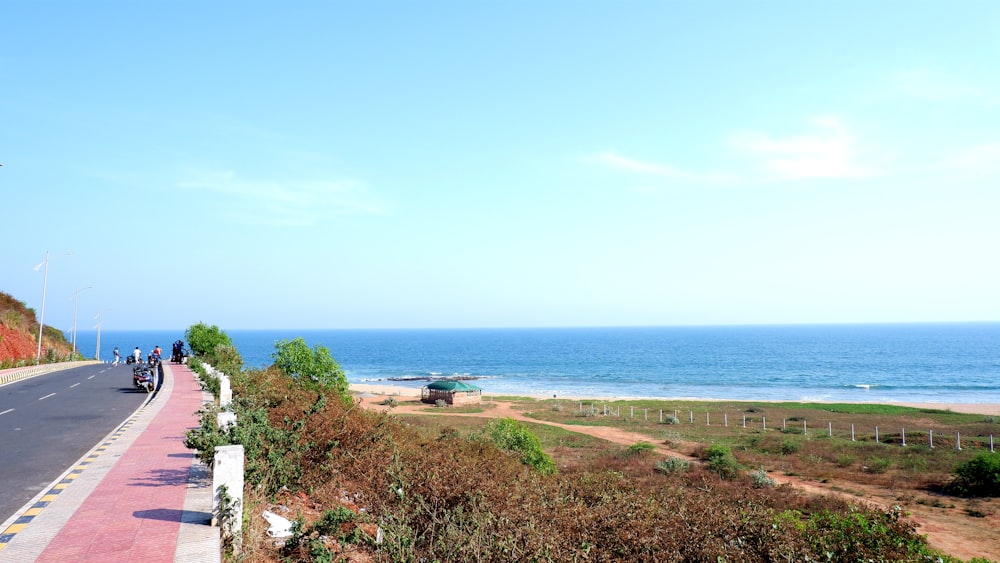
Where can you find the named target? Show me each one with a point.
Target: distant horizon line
(581, 327)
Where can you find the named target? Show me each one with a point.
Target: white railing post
(225, 390)
(227, 491)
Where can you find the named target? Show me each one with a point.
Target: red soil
(15, 345)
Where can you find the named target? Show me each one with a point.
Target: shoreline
(965, 408)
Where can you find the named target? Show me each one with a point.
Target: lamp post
(76, 309)
(41, 317)
(100, 319)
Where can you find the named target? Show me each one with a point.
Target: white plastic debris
(281, 527)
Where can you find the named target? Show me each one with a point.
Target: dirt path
(948, 530)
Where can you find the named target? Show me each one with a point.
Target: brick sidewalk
(151, 504)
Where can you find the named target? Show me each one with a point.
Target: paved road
(50, 421)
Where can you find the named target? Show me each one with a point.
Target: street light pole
(76, 309)
(97, 355)
(41, 317)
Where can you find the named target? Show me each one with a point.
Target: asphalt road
(50, 421)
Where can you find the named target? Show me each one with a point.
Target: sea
(946, 363)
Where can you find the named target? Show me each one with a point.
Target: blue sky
(483, 164)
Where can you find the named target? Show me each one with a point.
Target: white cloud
(828, 152)
(292, 203)
(613, 159)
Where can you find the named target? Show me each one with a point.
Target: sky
(451, 164)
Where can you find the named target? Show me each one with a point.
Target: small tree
(203, 339)
(313, 368)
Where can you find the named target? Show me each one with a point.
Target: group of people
(136, 357)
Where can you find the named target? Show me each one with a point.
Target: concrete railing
(17, 374)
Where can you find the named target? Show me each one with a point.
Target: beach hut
(452, 392)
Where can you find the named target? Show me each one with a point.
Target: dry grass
(436, 494)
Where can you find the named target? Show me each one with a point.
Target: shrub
(877, 465)
(671, 465)
(390, 402)
(512, 436)
(721, 461)
(761, 480)
(789, 447)
(639, 449)
(671, 419)
(978, 476)
(312, 369)
(440, 403)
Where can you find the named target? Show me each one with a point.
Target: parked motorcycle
(144, 378)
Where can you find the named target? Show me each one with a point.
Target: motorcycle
(143, 378)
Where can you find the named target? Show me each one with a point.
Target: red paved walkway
(134, 514)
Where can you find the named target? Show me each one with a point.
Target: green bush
(312, 369)
(721, 461)
(639, 449)
(203, 339)
(978, 476)
(859, 536)
(226, 358)
(671, 465)
(512, 436)
(761, 480)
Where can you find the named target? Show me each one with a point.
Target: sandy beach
(400, 391)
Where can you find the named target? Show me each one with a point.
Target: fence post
(708, 420)
(932, 439)
(661, 416)
(631, 412)
(804, 430)
(876, 434)
(904, 437)
(227, 472)
(852, 432)
(958, 441)
(744, 421)
(645, 414)
(783, 424)
(725, 420)
(225, 391)
(991, 443)
(829, 429)
(763, 422)
(691, 416)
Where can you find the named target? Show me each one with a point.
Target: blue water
(957, 363)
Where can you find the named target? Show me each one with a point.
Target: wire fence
(798, 426)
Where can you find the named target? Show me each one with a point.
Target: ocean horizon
(927, 362)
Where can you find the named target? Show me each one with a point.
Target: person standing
(137, 354)
(117, 357)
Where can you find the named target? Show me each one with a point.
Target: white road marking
(74, 385)
(6, 411)
(91, 377)
(46, 397)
